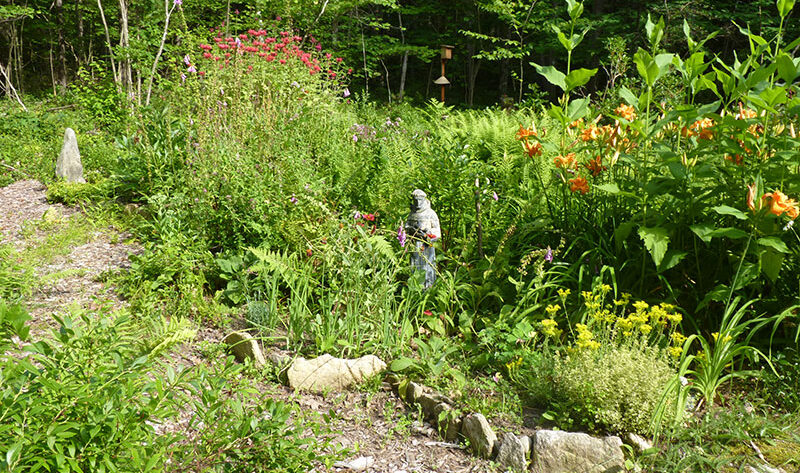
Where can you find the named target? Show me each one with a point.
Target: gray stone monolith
(69, 164)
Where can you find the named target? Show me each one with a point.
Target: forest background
(391, 46)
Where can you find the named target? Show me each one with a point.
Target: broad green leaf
(656, 240)
(575, 9)
(401, 364)
(621, 234)
(671, 259)
(775, 243)
(786, 68)
(609, 188)
(626, 95)
(727, 210)
(646, 66)
(784, 7)
(578, 78)
(553, 75)
(771, 262)
(577, 109)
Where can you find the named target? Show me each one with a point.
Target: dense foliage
(620, 256)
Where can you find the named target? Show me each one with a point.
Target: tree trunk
(124, 42)
(62, 46)
(404, 65)
(117, 79)
(82, 52)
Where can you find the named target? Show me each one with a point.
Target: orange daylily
(532, 148)
(566, 162)
(626, 111)
(701, 128)
(590, 133)
(779, 204)
(595, 166)
(579, 184)
(525, 133)
(745, 113)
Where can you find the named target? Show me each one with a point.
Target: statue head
(419, 201)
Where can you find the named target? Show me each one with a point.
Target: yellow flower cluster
(514, 364)
(611, 323)
(550, 328)
(586, 338)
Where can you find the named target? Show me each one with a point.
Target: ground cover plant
(620, 261)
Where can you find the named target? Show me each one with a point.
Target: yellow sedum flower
(552, 309)
(678, 338)
(550, 328)
(675, 352)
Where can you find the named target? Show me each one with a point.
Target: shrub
(615, 388)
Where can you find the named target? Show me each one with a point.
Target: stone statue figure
(422, 228)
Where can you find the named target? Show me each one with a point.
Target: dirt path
(68, 255)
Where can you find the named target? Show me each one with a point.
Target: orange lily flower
(566, 162)
(590, 133)
(596, 166)
(579, 184)
(626, 111)
(532, 148)
(525, 133)
(779, 204)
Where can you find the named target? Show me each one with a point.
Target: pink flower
(495, 197)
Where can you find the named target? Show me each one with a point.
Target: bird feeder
(447, 52)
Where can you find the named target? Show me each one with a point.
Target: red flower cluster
(282, 48)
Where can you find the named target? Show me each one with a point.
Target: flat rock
(511, 452)
(358, 464)
(327, 373)
(68, 165)
(481, 437)
(568, 452)
(245, 347)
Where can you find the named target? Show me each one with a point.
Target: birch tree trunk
(124, 42)
(117, 79)
(62, 47)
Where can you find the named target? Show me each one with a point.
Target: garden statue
(422, 227)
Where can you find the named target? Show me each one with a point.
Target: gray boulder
(567, 452)
(511, 452)
(481, 437)
(68, 165)
(245, 347)
(327, 373)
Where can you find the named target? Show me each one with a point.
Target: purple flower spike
(495, 196)
(549, 255)
(187, 60)
(293, 199)
(401, 236)
(177, 2)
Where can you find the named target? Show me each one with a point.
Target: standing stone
(481, 437)
(422, 227)
(511, 452)
(568, 452)
(69, 164)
